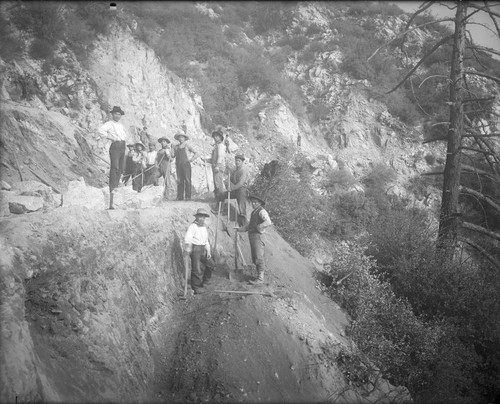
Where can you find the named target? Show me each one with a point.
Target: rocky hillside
(52, 108)
(91, 307)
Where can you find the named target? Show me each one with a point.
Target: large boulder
(50, 199)
(81, 194)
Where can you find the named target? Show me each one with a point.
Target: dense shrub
(41, 48)
(384, 327)
(275, 15)
(400, 106)
(11, 47)
(295, 208)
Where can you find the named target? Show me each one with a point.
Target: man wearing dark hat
(129, 164)
(183, 166)
(114, 131)
(259, 221)
(218, 162)
(163, 159)
(197, 246)
(238, 188)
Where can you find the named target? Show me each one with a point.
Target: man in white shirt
(115, 132)
(197, 246)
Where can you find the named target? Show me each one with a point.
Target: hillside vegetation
(429, 325)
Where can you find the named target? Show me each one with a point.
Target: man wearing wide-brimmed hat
(197, 246)
(218, 162)
(115, 132)
(139, 159)
(238, 188)
(259, 221)
(163, 159)
(183, 165)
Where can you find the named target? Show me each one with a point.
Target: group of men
(146, 168)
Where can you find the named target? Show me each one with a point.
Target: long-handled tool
(247, 292)
(235, 250)
(204, 164)
(228, 212)
(216, 232)
(186, 274)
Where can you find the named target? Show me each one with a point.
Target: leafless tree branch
(482, 230)
(434, 48)
(404, 33)
(481, 250)
(495, 79)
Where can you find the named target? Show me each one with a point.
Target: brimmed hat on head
(201, 212)
(140, 144)
(131, 145)
(151, 144)
(262, 201)
(117, 109)
(176, 137)
(218, 133)
(163, 138)
(239, 157)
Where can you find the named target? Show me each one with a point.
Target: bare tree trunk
(449, 215)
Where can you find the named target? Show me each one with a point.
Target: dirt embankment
(91, 313)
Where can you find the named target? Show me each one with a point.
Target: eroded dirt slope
(91, 313)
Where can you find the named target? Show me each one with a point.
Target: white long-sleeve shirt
(151, 157)
(114, 130)
(197, 235)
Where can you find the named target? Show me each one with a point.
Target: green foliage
(11, 47)
(275, 15)
(400, 106)
(295, 208)
(318, 111)
(41, 49)
(384, 327)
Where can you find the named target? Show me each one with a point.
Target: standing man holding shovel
(259, 221)
(197, 246)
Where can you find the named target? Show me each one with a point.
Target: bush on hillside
(384, 327)
(400, 106)
(41, 49)
(11, 47)
(275, 15)
(295, 208)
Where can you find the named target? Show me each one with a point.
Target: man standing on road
(259, 221)
(197, 246)
(218, 161)
(238, 188)
(151, 173)
(114, 131)
(163, 159)
(183, 166)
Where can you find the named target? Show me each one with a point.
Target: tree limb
(480, 229)
(481, 196)
(434, 48)
(404, 33)
(480, 249)
(494, 21)
(483, 49)
(477, 150)
(496, 79)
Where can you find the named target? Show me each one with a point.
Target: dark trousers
(199, 258)
(257, 248)
(117, 161)
(151, 175)
(129, 169)
(165, 173)
(137, 182)
(241, 196)
(183, 181)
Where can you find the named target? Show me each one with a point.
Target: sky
(480, 35)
